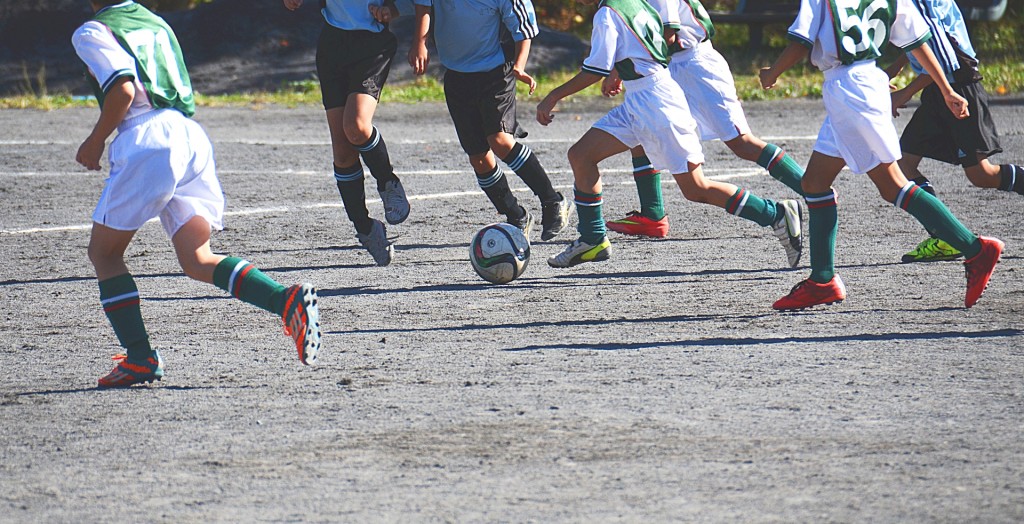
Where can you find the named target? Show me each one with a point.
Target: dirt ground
(657, 386)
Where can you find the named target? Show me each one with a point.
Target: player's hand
(419, 58)
(525, 78)
(384, 13)
(899, 100)
(545, 111)
(958, 105)
(767, 77)
(90, 152)
(611, 85)
(293, 4)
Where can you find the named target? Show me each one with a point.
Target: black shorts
(481, 105)
(353, 62)
(934, 132)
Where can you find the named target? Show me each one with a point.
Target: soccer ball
(499, 253)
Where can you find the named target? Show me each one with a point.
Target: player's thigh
(463, 97)
(822, 170)
(353, 62)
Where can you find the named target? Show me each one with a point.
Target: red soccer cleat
(637, 224)
(302, 320)
(128, 373)
(810, 293)
(979, 268)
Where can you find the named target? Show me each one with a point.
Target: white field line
(325, 142)
(745, 173)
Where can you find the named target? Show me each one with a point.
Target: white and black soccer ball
(499, 252)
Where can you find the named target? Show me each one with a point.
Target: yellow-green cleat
(932, 249)
(579, 252)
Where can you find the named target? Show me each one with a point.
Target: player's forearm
(522, 55)
(422, 25)
(115, 106)
(790, 56)
(917, 84)
(574, 85)
(924, 55)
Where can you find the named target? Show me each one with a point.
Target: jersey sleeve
(804, 29)
(669, 11)
(520, 19)
(909, 30)
(602, 44)
(106, 59)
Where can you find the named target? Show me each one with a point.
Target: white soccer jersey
(814, 27)
(685, 17)
(613, 41)
(108, 61)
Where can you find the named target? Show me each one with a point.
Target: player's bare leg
(592, 246)
(521, 159)
(296, 305)
(120, 299)
(348, 173)
(823, 286)
(784, 217)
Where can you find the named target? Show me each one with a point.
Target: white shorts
(655, 115)
(858, 127)
(710, 92)
(161, 165)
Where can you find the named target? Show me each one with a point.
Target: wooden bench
(756, 14)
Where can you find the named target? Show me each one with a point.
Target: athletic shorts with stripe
(482, 104)
(353, 62)
(933, 131)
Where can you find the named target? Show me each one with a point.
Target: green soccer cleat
(932, 249)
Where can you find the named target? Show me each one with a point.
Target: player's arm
(292, 4)
(956, 103)
(790, 56)
(897, 66)
(900, 97)
(574, 85)
(419, 57)
(612, 84)
(116, 102)
(519, 64)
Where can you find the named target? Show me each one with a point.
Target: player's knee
(579, 156)
(357, 133)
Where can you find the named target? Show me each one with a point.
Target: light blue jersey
(468, 33)
(354, 15)
(949, 34)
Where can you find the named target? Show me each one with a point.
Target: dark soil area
(229, 46)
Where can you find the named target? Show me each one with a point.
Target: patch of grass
(802, 81)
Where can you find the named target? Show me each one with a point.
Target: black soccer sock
(524, 162)
(353, 195)
(924, 184)
(495, 186)
(1011, 178)
(375, 153)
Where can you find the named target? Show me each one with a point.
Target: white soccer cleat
(396, 205)
(789, 231)
(376, 242)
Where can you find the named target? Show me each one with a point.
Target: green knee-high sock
(936, 218)
(781, 167)
(648, 188)
(823, 223)
(120, 299)
(591, 222)
(248, 284)
(745, 204)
